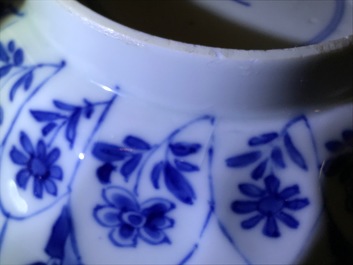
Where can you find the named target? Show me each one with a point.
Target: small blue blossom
(269, 204)
(128, 220)
(37, 163)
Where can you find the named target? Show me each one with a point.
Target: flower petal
(124, 236)
(153, 236)
(156, 206)
(56, 173)
(159, 222)
(287, 219)
(50, 187)
(22, 178)
(26, 143)
(289, 192)
(252, 190)
(271, 228)
(120, 198)
(53, 156)
(41, 150)
(272, 184)
(107, 216)
(18, 157)
(38, 188)
(296, 204)
(252, 222)
(244, 206)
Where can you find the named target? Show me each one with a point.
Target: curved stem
(168, 139)
(3, 232)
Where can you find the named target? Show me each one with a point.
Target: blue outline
(243, 2)
(331, 25)
(283, 131)
(232, 242)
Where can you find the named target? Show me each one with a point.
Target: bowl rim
(119, 31)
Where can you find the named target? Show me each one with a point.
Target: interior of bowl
(235, 24)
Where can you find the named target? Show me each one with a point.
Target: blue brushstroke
(332, 24)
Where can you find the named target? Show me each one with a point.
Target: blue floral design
(270, 204)
(128, 155)
(66, 116)
(135, 152)
(128, 220)
(38, 163)
(267, 154)
(14, 71)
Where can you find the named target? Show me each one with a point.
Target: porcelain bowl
(133, 135)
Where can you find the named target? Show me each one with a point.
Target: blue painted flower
(269, 204)
(129, 221)
(37, 163)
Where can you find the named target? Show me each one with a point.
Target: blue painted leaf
(71, 128)
(18, 57)
(45, 115)
(260, 170)
(334, 146)
(60, 232)
(4, 70)
(104, 172)
(1, 115)
(11, 46)
(293, 152)
(88, 111)
(243, 160)
(178, 185)
(185, 166)
(108, 152)
(25, 80)
(252, 190)
(184, 149)
(156, 173)
(263, 139)
(3, 54)
(48, 128)
(277, 157)
(136, 143)
(130, 165)
(64, 106)
(28, 78)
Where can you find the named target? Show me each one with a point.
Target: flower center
(134, 219)
(270, 205)
(38, 168)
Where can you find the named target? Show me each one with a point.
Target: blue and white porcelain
(121, 147)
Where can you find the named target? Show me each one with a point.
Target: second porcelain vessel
(118, 146)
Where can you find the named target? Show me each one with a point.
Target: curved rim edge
(135, 37)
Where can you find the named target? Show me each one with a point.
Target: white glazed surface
(99, 84)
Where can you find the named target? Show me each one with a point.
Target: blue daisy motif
(37, 163)
(270, 204)
(128, 220)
